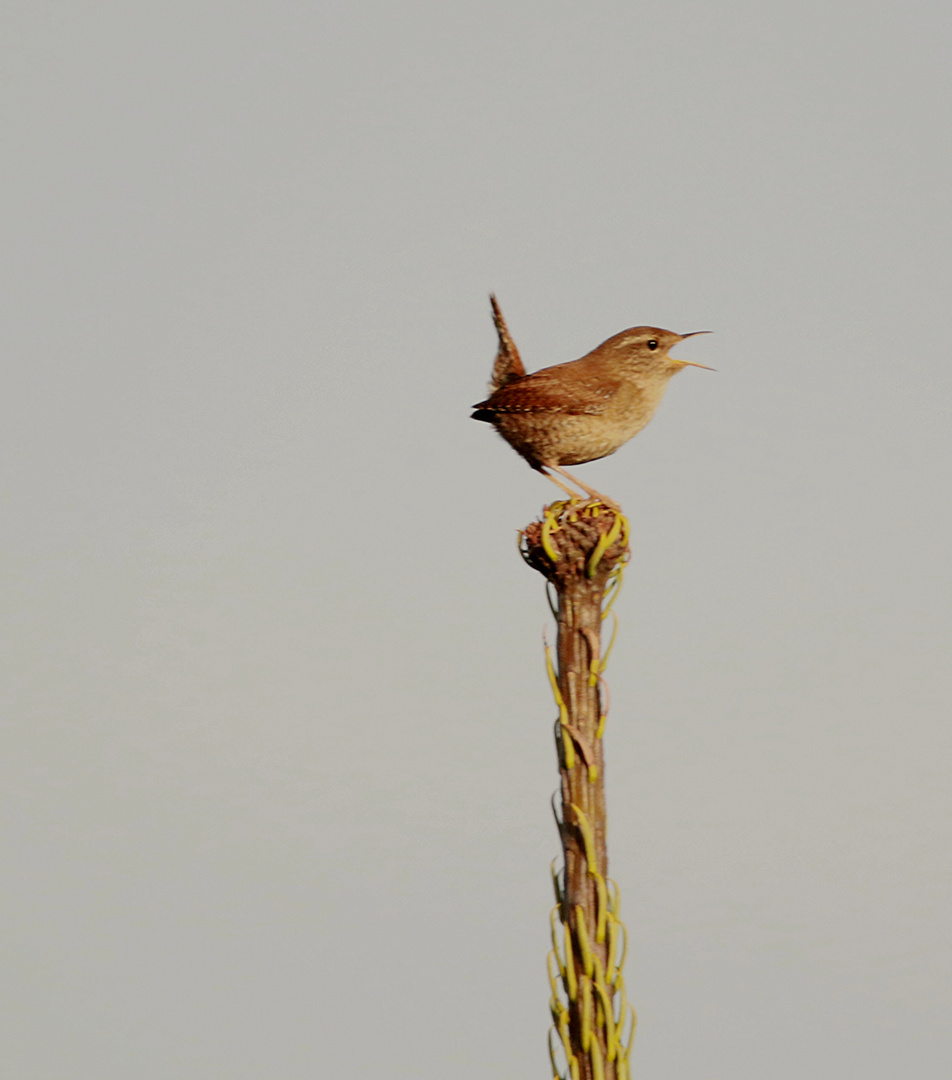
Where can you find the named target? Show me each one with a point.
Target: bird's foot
(593, 495)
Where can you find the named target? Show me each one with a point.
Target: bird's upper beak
(691, 363)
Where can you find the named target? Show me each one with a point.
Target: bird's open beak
(691, 363)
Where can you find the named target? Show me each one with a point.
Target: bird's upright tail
(508, 364)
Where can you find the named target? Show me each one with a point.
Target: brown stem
(577, 546)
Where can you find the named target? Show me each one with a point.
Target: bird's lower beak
(691, 363)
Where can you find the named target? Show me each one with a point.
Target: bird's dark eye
(653, 344)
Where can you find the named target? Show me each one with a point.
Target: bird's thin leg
(591, 492)
(573, 495)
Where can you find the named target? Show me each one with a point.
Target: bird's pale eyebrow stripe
(631, 337)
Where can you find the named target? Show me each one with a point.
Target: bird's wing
(545, 391)
(508, 366)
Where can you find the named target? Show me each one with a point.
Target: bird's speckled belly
(548, 438)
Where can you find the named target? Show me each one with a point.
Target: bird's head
(645, 349)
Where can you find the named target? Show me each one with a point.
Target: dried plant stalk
(581, 549)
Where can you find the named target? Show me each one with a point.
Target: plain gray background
(277, 735)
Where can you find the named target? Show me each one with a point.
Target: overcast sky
(277, 734)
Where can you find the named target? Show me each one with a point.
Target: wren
(584, 409)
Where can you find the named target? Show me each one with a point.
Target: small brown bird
(582, 410)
